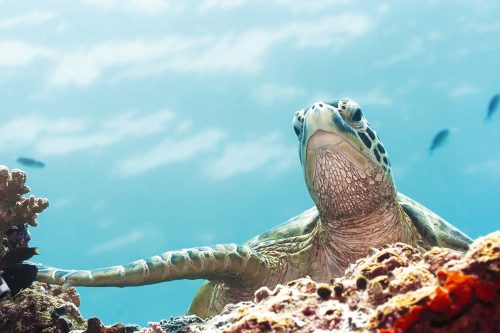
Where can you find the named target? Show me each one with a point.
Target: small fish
(30, 162)
(17, 255)
(439, 139)
(493, 106)
(4, 288)
(19, 276)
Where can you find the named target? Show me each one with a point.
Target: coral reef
(50, 309)
(394, 290)
(41, 308)
(16, 212)
(94, 325)
(37, 307)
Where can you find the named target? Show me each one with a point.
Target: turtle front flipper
(224, 262)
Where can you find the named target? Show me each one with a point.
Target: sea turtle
(348, 174)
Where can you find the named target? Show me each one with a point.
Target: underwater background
(167, 124)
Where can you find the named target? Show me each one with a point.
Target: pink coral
(154, 328)
(15, 210)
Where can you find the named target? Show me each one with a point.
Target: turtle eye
(357, 115)
(298, 122)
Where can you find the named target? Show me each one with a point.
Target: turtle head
(346, 167)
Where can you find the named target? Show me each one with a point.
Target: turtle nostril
(357, 115)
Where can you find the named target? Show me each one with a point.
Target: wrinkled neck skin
(342, 242)
(357, 203)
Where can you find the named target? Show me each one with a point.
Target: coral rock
(94, 325)
(36, 310)
(67, 294)
(395, 290)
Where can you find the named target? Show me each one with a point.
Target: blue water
(165, 125)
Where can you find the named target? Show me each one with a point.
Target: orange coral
(486, 291)
(405, 322)
(441, 301)
(460, 287)
(458, 291)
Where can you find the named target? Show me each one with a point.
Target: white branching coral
(15, 210)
